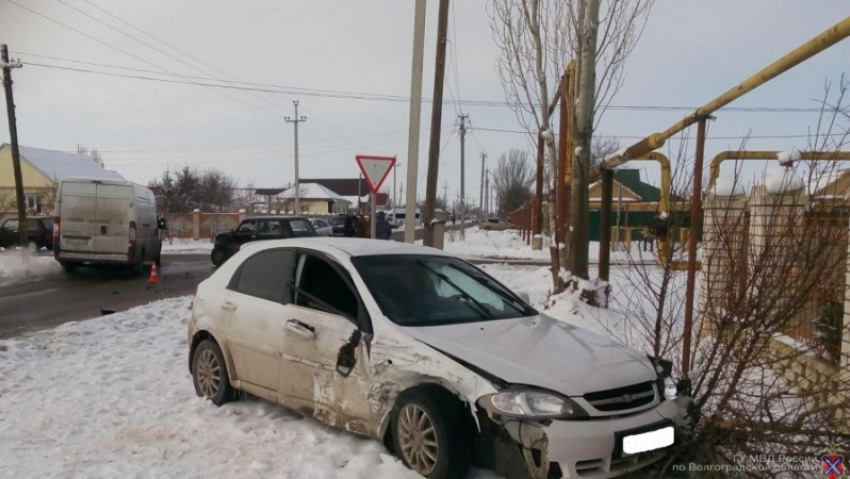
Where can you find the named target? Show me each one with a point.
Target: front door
(254, 310)
(320, 321)
(247, 231)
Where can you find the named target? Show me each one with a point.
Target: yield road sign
(375, 169)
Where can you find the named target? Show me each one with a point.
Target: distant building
(354, 190)
(313, 198)
(41, 172)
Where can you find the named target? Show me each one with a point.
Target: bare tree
(538, 38)
(770, 365)
(93, 154)
(512, 180)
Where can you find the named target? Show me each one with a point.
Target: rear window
(300, 226)
(338, 221)
(48, 223)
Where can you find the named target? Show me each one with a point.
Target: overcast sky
(690, 52)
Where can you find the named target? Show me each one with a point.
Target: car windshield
(436, 291)
(338, 221)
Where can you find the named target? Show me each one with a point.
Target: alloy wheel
(418, 439)
(208, 373)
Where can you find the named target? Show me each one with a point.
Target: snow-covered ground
(14, 269)
(188, 246)
(113, 397)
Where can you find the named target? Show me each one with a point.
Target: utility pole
(481, 188)
(462, 132)
(13, 135)
(487, 192)
(295, 121)
(579, 216)
(415, 116)
(446, 193)
(436, 124)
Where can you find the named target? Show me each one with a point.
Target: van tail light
(132, 233)
(56, 237)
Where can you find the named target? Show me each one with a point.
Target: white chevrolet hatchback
(421, 350)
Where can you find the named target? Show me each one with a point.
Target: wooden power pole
(579, 215)
(295, 121)
(462, 134)
(13, 135)
(436, 124)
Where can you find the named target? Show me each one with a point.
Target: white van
(99, 221)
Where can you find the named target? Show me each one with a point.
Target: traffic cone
(154, 279)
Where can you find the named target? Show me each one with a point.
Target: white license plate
(648, 441)
(76, 241)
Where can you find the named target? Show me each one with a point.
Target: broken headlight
(532, 404)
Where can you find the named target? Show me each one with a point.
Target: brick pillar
(724, 256)
(196, 224)
(241, 215)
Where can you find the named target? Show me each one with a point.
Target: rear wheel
(209, 373)
(68, 268)
(32, 246)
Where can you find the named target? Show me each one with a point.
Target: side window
(493, 220)
(266, 275)
(32, 225)
(323, 287)
(270, 228)
(299, 225)
(248, 227)
(10, 225)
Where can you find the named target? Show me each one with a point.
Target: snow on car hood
(540, 351)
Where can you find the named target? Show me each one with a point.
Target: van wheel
(68, 268)
(218, 257)
(431, 435)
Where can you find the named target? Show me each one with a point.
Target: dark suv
(259, 229)
(39, 233)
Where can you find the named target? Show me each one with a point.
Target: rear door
(9, 233)
(112, 212)
(78, 213)
(299, 227)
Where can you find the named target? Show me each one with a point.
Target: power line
(132, 55)
(339, 94)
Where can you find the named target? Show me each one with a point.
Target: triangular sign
(375, 169)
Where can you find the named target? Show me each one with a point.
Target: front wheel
(32, 246)
(431, 434)
(209, 373)
(218, 257)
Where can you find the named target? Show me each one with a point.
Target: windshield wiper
(482, 310)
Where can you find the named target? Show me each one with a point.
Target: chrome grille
(621, 399)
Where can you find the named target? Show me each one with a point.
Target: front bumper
(588, 448)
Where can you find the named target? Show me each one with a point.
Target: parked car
(102, 221)
(259, 228)
(39, 233)
(322, 227)
(495, 224)
(427, 353)
(338, 226)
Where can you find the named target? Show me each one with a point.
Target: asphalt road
(90, 292)
(83, 295)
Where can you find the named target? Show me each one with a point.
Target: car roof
(352, 247)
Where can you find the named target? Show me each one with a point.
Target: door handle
(301, 329)
(228, 306)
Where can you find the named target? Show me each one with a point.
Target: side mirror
(347, 359)
(524, 296)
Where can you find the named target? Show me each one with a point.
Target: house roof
(313, 191)
(342, 186)
(630, 178)
(269, 191)
(58, 165)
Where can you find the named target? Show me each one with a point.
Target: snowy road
(57, 298)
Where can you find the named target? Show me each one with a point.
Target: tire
(443, 451)
(206, 361)
(218, 256)
(487, 228)
(68, 268)
(32, 246)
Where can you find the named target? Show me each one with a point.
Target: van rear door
(113, 206)
(95, 217)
